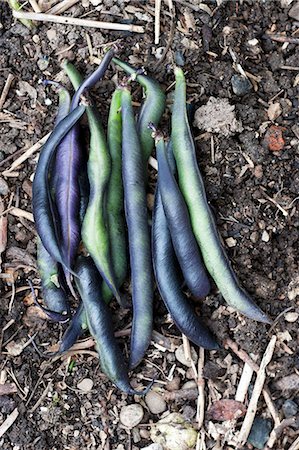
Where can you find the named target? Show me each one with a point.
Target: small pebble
(254, 237)
(179, 58)
(156, 404)
(35, 38)
(131, 415)
(189, 385)
(241, 85)
(180, 356)
(144, 434)
(43, 63)
(291, 317)
(174, 384)
(290, 408)
(265, 236)
(274, 111)
(136, 435)
(4, 189)
(253, 42)
(153, 447)
(231, 242)
(288, 383)
(85, 385)
(294, 11)
(188, 412)
(51, 34)
(260, 432)
(258, 172)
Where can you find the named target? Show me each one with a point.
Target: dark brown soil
(265, 251)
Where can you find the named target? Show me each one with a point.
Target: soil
(253, 193)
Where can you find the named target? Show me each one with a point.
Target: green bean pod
(138, 231)
(204, 227)
(115, 194)
(151, 110)
(95, 234)
(54, 294)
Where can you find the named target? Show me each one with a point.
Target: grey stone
(241, 85)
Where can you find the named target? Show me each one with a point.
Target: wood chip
(9, 421)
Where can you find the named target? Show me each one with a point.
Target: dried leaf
(226, 410)
(34, 317)
(25, 89)
(15, 348)
(28, 299)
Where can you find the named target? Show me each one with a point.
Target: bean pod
(138, 231)
(101, 327)
(178, 221)
(203, 225)
(41, 195)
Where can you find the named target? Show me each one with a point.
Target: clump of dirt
(218, 116)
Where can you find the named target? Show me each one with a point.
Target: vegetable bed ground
(253, 193)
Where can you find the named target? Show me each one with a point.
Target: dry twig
(42, 17)
(229, 343)
(258, 387)
(9, 421)
(201, 388)
(277, 431)
(6, 88)
(244, 383)
(157, 20)
(36, 8)
(29, 152)
(62, 7)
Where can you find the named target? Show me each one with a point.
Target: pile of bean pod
(99, 198)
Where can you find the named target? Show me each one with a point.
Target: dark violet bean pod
(178, 221)
(76, 80)
(203, 225)
(54, 294)
(95, 233)
(139, 236)
(92, 79)
(64, 185)
(151, 110)
(169, 285)
(67, 193)
(53, 315)
(101, 327)
(41, 196)
(75, 329)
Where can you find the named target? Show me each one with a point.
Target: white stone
(265, 236)
(231, 242)
(291, 317)
(180, 356)
(155, 402)
(131, 415)
(85, 385)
